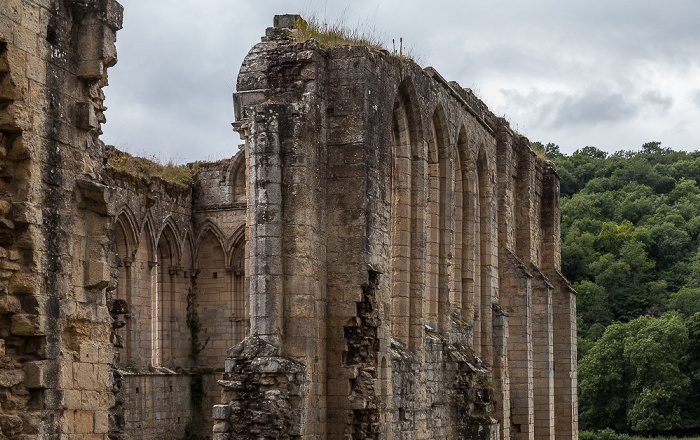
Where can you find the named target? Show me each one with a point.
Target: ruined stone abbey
(380, 260)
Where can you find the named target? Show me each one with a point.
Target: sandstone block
(89, 400)
(85, 116)
(39, 374)
(97, 274)
(9, 304)
(84, 422)
(68, 422)
(83, 375)
(101, 422)
(32, 238)
(27, 325)
(91, 69)
(5, 34)
(221, 412)
(89, 352)
(221, 427)
(72, 399)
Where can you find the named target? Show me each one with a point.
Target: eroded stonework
(403, 245)
(380, 260)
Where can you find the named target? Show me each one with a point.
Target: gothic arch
(439, 212)
(126, 221)
(147, 232)
(238, 178)
(170, 229)
(486, 249)
(407, 217)
(240, 318)
(207, 227)
(213, 290)
(468, 273)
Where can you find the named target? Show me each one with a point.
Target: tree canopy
(630, 225)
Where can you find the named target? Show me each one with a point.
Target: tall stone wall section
(380, 260)
(181, 262)
(403, 254)
(56, 372)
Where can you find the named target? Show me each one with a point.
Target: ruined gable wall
(430, 210)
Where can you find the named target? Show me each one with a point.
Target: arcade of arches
(184, 302)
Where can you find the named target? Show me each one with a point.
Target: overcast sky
(609, 73)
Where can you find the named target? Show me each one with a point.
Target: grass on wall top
(339, 34)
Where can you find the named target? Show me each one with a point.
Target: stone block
(97, 274)
(85, 116)
(10, 378)
(36, 69)
(12, 9)
(93, 69)
(40, 374)
(10, 304)
(68, 422)
(84, 422)
(221, 427)
(27, 325)
(89, 400)
(221, 412)
(89, 352)
(5, 35)
(72, 399)
(101, 422)
(26, 40)
(84, 376)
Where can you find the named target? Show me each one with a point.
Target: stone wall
(56, 375)
(380, 260)
(403, 248)
(181, 262)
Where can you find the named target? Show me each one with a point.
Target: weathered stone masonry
(403, 248)
(382, 255)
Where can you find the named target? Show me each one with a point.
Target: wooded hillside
(630, 225)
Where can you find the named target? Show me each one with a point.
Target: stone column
(265, 224)
(543, 360)
(516, 300)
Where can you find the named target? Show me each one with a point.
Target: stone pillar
(543, 355)
(516, 300)
(265, 223)
(563, 311)
(501, 373)
(565, 378)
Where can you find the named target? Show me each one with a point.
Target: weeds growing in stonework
(338, 33)
(147, 168)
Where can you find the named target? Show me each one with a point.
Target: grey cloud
(656, 100)
(593, 106)
(695, 97)
(178, 60)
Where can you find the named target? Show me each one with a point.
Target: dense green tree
(630, 225)
(634, 380)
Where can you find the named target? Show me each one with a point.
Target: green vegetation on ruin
(148, 168)
(630, 230)
(339, 34)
